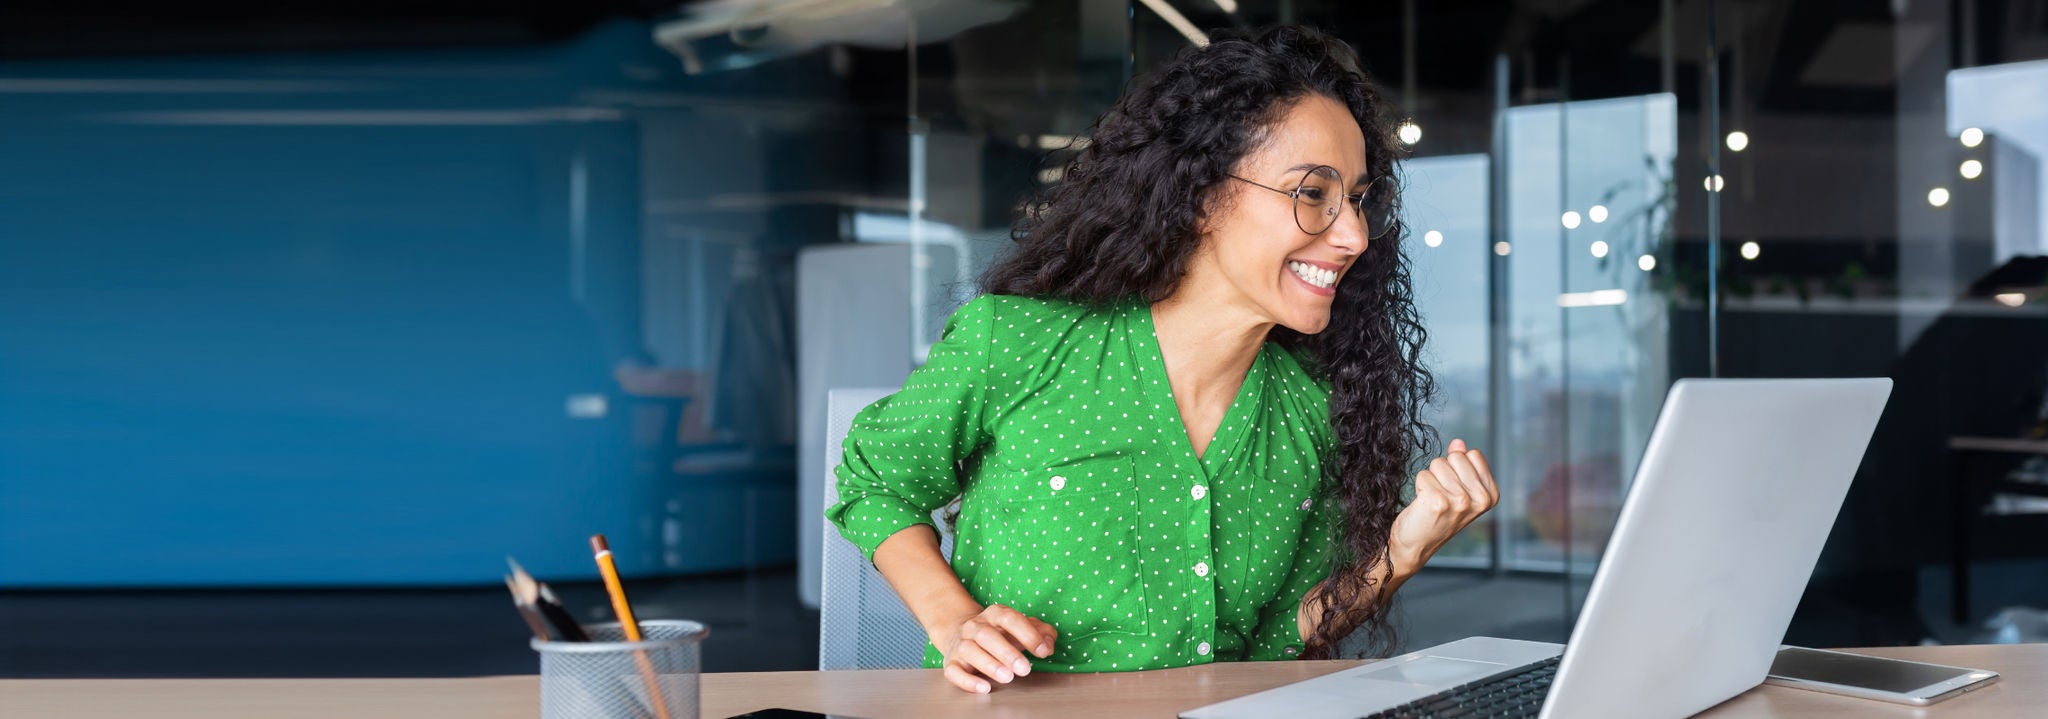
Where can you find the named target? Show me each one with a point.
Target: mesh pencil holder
(655, 678)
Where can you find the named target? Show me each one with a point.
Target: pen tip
(597, 543)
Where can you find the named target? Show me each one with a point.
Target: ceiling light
(1738, 140)
(1501, 248)
(1179, 22)
(1410, 132)
(1597, 213)
(1751, 249)
(1972, 137)
(1971, 169)
(1596, 298)
(1938, 197)
(1646, 262)
(1432, 238)
(1599, 248)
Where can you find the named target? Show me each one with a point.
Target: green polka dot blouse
(1083, 503)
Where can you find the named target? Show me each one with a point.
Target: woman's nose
(1347, 234)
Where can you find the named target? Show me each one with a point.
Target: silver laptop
(1715, 542)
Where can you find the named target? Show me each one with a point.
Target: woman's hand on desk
(991, 646)
(1456, 489)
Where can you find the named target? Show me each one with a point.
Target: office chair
(862, 624)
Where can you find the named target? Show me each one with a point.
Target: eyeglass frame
(1359, 201)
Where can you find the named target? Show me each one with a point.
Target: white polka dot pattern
(1084, 503)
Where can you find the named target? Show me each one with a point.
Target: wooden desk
(2023, 692)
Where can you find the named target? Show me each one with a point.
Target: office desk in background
(1969, 494)
(2023, 692)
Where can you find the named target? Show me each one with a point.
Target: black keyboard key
(1516, 695)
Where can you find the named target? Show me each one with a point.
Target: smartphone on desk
(1868, 677)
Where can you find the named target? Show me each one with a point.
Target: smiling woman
(1180, 422)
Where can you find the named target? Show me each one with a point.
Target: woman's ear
(1212, 205)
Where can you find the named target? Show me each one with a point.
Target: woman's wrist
(947, 617)
(1407, 560)
(911, 561)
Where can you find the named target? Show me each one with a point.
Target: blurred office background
(311, 314)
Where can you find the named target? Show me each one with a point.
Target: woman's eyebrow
(1359, 182)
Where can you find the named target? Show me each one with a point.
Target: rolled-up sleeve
(902, 452)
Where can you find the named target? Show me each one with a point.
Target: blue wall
(243, 347)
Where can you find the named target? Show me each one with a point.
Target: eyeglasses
(1320, 194)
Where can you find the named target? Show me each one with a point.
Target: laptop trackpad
(1437, 671)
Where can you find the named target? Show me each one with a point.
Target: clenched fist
(1456, 489)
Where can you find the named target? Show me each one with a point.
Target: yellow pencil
(617, 589)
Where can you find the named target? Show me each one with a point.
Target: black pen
(532, 592)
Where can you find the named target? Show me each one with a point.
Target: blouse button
(1291, 651)
(1305, 504)
(1058, 483)
(1199, 491)
(1202, 570)
(1202, 649)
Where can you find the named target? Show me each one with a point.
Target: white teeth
(1313, 275)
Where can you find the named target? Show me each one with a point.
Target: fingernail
(1004, 676)
(981, 687)
(1045, 650)
(1023, 667)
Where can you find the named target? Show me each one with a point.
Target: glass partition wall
(651, 242)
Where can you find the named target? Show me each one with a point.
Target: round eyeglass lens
(1318, 199)
(1376, 208)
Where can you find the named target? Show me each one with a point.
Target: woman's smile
(1318, 277)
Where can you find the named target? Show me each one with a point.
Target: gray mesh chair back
(862, 624)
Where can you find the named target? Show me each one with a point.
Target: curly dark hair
(1123, 222)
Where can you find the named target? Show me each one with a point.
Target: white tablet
(1868, 677)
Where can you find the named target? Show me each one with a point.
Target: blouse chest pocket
(1060, 544)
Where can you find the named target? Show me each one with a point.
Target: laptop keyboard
(1518, 693)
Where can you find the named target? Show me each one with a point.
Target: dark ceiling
(53, 28)
(1806, 56)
